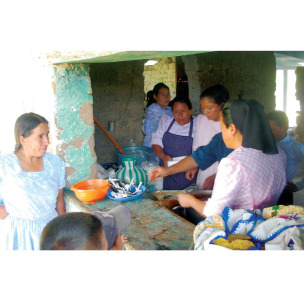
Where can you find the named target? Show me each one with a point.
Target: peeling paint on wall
(74, 120)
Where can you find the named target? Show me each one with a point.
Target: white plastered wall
(27, 87)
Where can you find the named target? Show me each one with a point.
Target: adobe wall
(252, 73)
(164, 71)
(118, 95)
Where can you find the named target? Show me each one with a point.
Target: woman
(158, 101)
(208, 125)
(174, 138)
(253, 175)
(31, 185)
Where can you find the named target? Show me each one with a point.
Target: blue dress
(30, 200)
(153, 114)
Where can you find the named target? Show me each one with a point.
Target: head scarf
(249, 118)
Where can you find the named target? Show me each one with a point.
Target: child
(294, 150)
(87, 231)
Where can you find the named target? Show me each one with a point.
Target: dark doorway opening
(182, 88)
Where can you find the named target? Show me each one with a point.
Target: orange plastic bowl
(92, 190)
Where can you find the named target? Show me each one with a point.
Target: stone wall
(250, 73)
(118, 94)
(164, 71)
(192, 71)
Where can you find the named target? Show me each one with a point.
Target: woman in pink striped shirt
(253, 175)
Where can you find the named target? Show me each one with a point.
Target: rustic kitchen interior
(112, 88)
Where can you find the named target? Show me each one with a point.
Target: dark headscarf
(249, 118)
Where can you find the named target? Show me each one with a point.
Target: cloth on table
(275, 228)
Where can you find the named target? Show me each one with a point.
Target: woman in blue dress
(158, 101)
(31, 185)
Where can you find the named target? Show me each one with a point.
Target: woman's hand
(166, 158)
(157, 172)
(191, 173)
(119, 242)
(209, 182)
(186, 200)
(60, 205)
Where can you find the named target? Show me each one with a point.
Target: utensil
(109, 136)
(142, 188)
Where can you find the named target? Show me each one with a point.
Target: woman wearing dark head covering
(253, 175)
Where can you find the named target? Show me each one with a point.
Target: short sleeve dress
(30, 200)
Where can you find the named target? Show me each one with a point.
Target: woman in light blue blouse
(158, 101)
(31, 185)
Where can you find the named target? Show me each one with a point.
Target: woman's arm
(3, 212)
(188, 200)
(152, 119)
(185, 164)
(60, 206)
(159, 151)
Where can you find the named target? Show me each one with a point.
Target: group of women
(234, 150)
(228, 148)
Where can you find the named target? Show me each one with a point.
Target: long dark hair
(25, 124)
(157, 87)
(217, 92)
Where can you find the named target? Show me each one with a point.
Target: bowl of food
(92, 190)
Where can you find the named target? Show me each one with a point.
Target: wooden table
(153, 226)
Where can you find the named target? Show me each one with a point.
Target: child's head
(279, 124)
(74, 231)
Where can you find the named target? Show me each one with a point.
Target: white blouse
(182, 130)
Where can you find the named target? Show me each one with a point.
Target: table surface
(153, 226)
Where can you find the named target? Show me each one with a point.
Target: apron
(177, 145)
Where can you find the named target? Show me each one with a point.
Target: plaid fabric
(248, 179)
(214, 222)
(280, 210)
